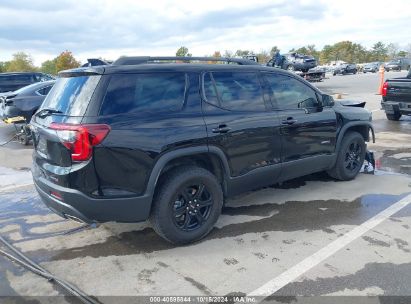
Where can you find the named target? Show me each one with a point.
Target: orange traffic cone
(381, 72)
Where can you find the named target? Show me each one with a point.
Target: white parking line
(297, 270)
(375, 110)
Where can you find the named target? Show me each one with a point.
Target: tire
(178, 192)
(395, 117)
(290, 68)
(350, 157)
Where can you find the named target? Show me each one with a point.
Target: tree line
(347, 51)
(23, 62)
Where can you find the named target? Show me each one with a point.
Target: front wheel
(187, 205)
(350, 157)
(290, 68)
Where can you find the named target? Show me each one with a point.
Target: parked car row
(24, 101)
(23, 93)
(371, 67)
(13, 81)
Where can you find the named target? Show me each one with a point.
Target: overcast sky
(93, 28)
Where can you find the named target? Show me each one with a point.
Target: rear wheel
(396, 116)
(187, 205)
(290, 68)
(350, 157)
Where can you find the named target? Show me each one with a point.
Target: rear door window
(236, 91)
(147, 92)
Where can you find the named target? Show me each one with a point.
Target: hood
(351, 110)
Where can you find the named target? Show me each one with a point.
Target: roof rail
(147, 59)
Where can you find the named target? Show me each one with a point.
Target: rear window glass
(71, 95)
(148, 92)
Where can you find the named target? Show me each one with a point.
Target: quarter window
(289, 93)
(236, 91)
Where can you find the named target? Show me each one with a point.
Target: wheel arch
(210, 158)
(362, 127)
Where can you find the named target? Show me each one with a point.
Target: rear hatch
(62, 144)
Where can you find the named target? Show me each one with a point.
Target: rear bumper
(392, 107)
(77, 205)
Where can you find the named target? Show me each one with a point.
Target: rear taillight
(384, 89)
(80, 139)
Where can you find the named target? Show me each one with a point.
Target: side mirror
(310, 105)
(327, 100)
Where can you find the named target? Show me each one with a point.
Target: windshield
(72, 95)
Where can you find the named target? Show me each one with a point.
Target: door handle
(289, 121)
(221, 129)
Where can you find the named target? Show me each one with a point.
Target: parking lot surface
(311, 236)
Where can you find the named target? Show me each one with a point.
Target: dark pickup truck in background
(396, 97)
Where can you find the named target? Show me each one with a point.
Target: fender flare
(169, 156)
(345, 128)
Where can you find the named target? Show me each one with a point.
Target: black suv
(142, 139)
(14, 81)
(299, 62)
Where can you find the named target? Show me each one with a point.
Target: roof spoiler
(147, 59)
(95, 62)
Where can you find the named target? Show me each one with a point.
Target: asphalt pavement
(311, 236)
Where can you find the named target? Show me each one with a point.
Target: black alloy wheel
(191, 207)
(350, 157)
(186, 204)
(353, 157)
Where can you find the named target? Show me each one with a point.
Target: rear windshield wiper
(46, 111)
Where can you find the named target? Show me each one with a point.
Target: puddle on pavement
(291, 216)
(394, 161)
(17, 206)
(385, 125)
(372, 275)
